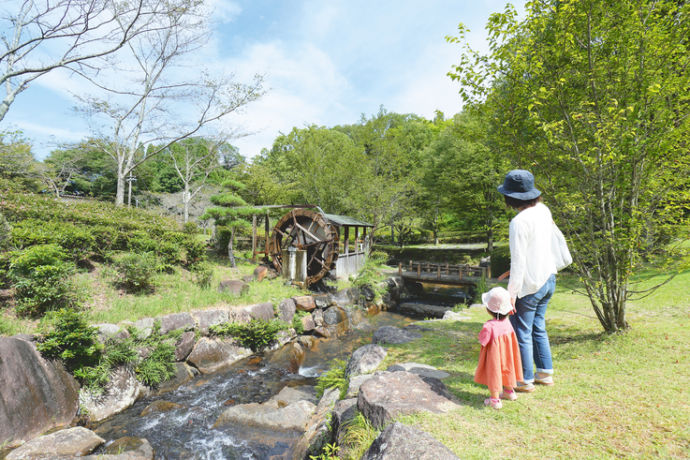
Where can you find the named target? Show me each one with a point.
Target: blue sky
(325, 62)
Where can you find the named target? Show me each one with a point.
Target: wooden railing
(443, 273)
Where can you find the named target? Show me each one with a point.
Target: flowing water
(187, 432)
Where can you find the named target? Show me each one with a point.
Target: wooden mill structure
(306, 244)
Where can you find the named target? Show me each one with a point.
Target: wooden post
(410, 265)
(356, 238)
(447, 269)
(254, 238)
(438, 272)
(400, 268)
(267, 230)
(419, 270)
(346, 241)
(364, 239)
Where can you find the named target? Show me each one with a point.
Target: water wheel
(309, 230)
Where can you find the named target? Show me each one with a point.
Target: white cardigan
(531, 257)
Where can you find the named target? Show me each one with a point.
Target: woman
(532, 275)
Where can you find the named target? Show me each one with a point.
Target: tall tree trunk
(231, 255)
(185, 202)
(120, 193)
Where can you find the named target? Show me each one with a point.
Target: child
(499, 360)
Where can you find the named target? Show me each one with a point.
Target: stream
(187, 432)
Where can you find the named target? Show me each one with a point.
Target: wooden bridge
(439, 273)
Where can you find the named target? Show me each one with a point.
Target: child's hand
(504, 276)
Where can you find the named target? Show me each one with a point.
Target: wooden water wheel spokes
(306, 229)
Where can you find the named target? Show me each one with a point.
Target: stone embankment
(37, 395)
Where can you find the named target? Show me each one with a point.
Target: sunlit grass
(174, 292)
(621, 395)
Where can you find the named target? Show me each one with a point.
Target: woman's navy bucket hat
(519, 184)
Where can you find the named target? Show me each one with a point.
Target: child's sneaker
(523, 387)
(543, 378)
(495, 403)
(510, 396)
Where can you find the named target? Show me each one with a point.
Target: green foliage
(329, 452)
(334, 377)
(371, 275)
(158, 366)
(359, 434)
(42, 281)
(137, 270)
(297, 321)
(593, 98)
(480, 288)
(257, 334)
(203, 274)
(70, 339)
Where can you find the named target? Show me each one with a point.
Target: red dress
(499, 360)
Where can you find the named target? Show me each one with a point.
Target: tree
(594, 97)
(17, 164)
(41, 36)
(317, 165)
(58, 170)
(462, 173)
(156, 109)
(194, 159)
(230, 213)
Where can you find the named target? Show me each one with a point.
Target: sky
(324, 62)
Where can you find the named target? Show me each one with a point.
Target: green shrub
(77, 241)
(329, 452)
(203, 274)
(256, 334)
(194, 249)
(5, 234)
(158, 367)
(42, 280)
(136, 271)
(333, 378)
(70, 339)
(297, 321)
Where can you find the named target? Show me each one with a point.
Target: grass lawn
(622, 395)
(174, 292)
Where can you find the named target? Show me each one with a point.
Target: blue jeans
(530, 328)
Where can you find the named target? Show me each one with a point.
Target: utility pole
(130, 179)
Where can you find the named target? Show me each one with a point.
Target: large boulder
(334, 315)
(400, 441)
(210, 355)
(35, 394)
(260, 273)
(184, 345)
(272, 414)
(365, 359)
(344, 411)
(394, 335)
(304, 302)
(422, 310)
(72, 442)
(318, 432)
(391, 394)
(207, 318)
(127, 448)
(286, 310)
(345, 297)
(183, 374)
(121, 391)
(144, 327)
(263, 311)
(176, 321)
(233, 287)
(423, 370)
